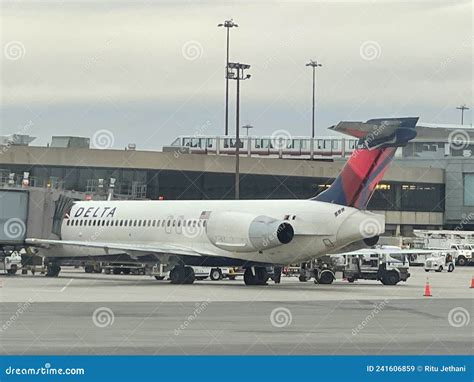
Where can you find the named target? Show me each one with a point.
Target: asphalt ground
(80, 313)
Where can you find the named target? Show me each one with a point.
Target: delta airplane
(249, 233)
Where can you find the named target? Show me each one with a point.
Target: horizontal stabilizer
(381, 132)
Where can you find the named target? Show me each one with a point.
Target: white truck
(10, 264)
(439, 263)
(460, 241)
(374, 264)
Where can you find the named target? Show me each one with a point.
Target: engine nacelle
(244, 232)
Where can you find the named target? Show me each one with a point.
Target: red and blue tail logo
(379, 139)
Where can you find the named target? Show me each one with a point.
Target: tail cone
(427, 289)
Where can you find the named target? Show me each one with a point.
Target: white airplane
(249, 233)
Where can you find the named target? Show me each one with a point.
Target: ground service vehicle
(10, 264)
(374, 264)
(439, 263)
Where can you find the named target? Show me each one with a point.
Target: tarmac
(79, 313)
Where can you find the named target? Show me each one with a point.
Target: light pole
(227, 24)
(237, 73)
(462, 108)
(314, 65)
(247, 127)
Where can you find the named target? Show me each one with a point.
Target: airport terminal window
(422, 197)
(468, 189)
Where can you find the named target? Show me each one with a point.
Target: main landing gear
(182, 275)
(52, 269)
(256, 276)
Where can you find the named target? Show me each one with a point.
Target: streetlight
(227, 24)
(247, 127)
(314, 65)
(236, 72)
(462, 108)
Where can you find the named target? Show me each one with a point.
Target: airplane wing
(127, 248)
(390, 251)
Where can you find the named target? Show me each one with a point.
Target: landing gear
(256, 276)
(277, 275)
(52, 270)
(182, 275)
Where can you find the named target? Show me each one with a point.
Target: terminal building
(430, 185)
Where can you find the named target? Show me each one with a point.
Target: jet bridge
(31, 212)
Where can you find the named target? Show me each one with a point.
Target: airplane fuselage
(318, 227)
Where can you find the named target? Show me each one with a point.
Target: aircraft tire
(177, 275)
(189, 276)
(249, 278)
(53, 270)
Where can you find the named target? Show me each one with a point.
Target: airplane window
(154, 223)
(179, 223)
(149, 223)
(163, 224)
(199, 223)
(194, 223)
(90, 223)
(125, 223)
(67, 222)
(121, 223)
(134, 223)
(139, 223)
(169, 223)
(204, 223)
(174, 223)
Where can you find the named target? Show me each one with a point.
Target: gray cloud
(133, 67)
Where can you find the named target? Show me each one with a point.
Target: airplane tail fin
(378, 142)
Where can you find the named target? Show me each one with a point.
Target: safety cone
(472, 282)
(427, 289)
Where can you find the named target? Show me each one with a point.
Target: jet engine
(245, 232)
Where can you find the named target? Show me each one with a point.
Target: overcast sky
(150, 71)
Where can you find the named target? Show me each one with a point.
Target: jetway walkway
(32, 212)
